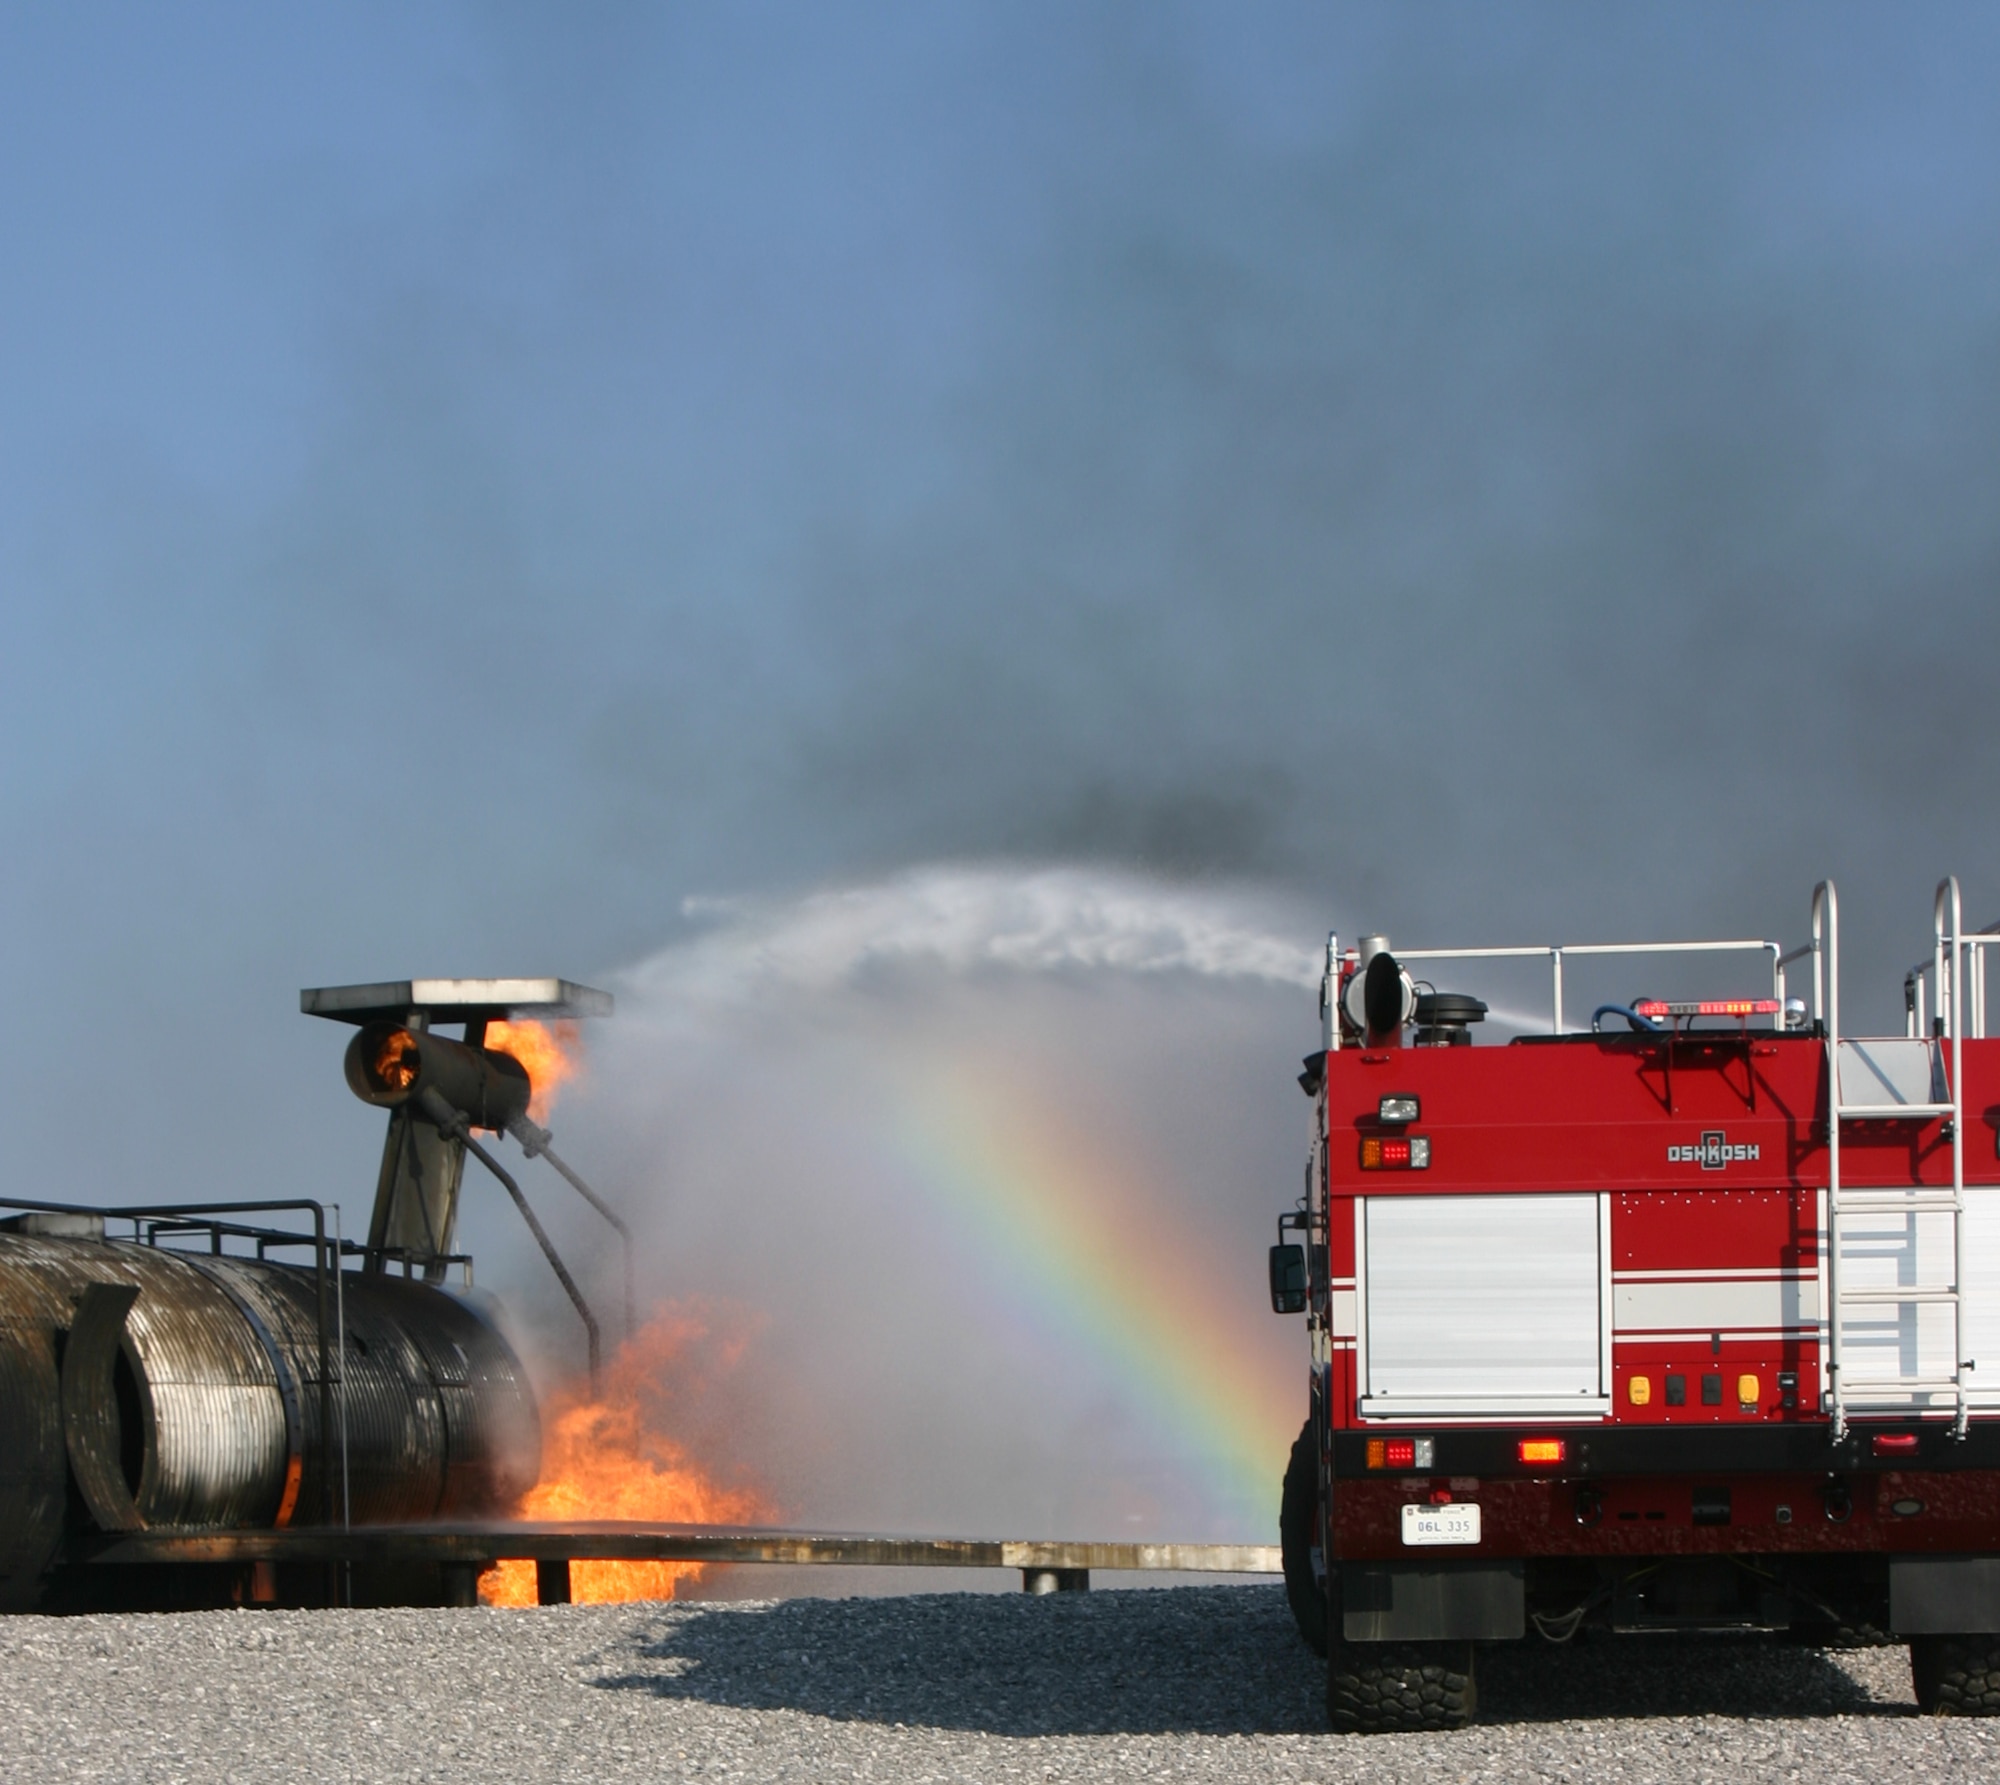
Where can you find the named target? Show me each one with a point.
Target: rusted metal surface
(611, 1541)
(390, 1064)
(33, 1464)
(189, 1392)
(439, 1418)
(211, 1447)
(415, 1216)
(95, 1426)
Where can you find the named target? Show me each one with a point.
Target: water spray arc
(358, 1431)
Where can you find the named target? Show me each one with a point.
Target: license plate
(1456, 1523)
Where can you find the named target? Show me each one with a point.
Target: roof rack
(1555, 953)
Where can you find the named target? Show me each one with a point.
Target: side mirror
(1288, 1279)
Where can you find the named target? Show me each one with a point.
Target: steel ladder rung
(1894, 1295)
(1848, 1305)
(1929, 1202)
(1879, 1389)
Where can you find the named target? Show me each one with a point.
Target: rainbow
(1080, 1246)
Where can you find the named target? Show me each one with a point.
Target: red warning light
(1656, 1007)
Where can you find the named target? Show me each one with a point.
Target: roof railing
(1556, 953)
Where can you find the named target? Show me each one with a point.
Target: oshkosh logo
(1714, 1153)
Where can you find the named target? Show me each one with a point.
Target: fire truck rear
(1686, 1320)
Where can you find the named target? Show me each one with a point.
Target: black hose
(535, 1142)
(453, 1123)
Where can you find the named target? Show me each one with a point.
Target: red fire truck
(1685, 1320)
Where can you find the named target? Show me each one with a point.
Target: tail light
(1385, 1153)
(1402, 1453)
(1541, 1452)
(1895, 1444)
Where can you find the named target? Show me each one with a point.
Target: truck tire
(1380, 1688)
(1299, 1536)
(1824, 1634)
(1956, 1676)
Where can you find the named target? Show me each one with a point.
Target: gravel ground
(1186, 1683)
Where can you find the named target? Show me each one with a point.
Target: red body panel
(1601, 1116)
(1712, 1152)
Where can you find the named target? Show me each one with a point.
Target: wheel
(1299, 1541)
(1378, 1688)
(1956, 1676)
(1823, 1633)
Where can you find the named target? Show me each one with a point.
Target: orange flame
(605, 1457)
(395, 1064)
(551, 1053)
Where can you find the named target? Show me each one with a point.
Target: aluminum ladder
(1940, 1053)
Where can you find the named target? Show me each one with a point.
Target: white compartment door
(1982, 1293)
(1486, 1306)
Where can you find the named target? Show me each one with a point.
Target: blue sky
(471, 477)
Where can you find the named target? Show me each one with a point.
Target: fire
(395, 1064)
(551, 1053)
(607, 1457)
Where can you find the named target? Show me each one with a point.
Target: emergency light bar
(1656, 1007)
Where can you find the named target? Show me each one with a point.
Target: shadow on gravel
(1219, 1660)
(1666, 1676)
(1226, 1660)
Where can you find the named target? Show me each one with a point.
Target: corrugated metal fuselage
(212, 1412)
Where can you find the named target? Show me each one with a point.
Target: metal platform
(1045, 1566)
(455, 1000)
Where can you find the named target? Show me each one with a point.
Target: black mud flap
(1432, 1601)
(1944, 1595)
(92, 1428)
